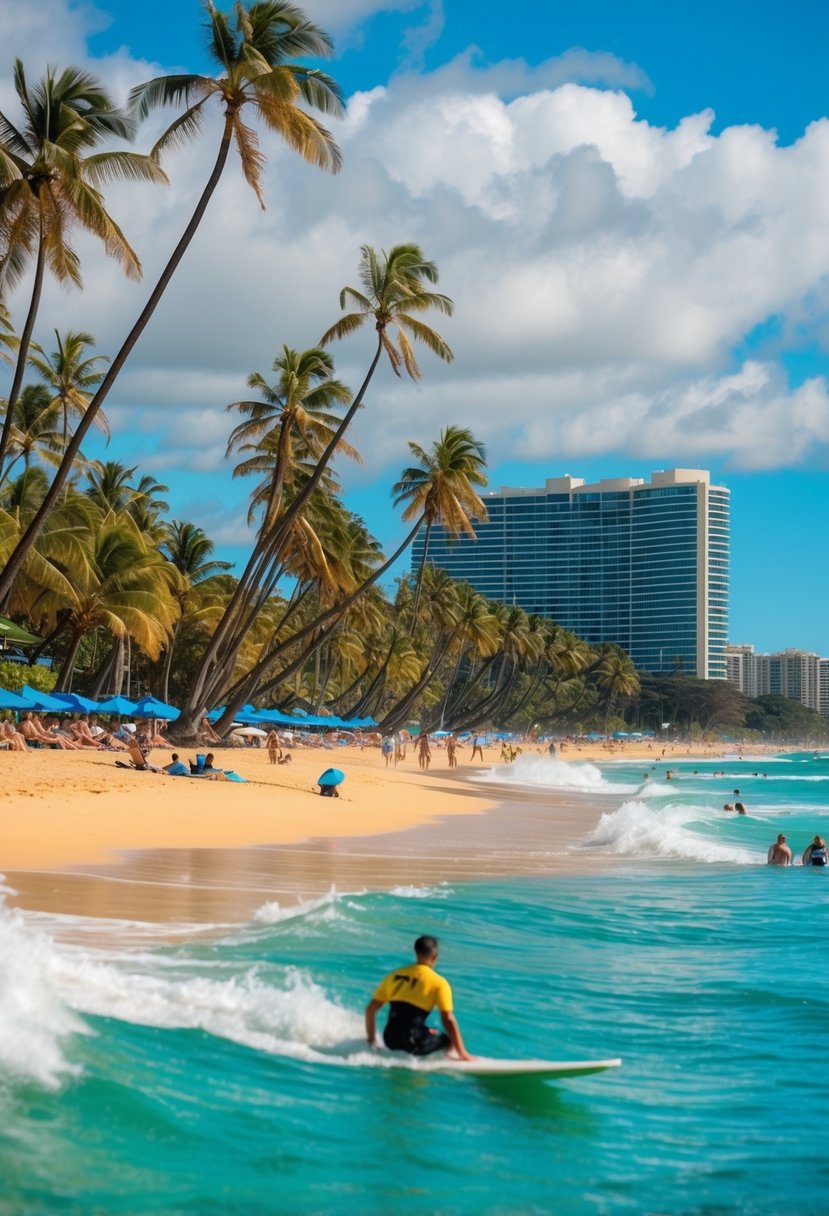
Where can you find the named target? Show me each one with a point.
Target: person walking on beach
(424, 755)
(412, 992)
(779, 853)
(387, 748)
(816, 854)
(452, 751)
(274, 747)
(477, 747)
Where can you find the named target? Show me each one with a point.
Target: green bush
(14, 675)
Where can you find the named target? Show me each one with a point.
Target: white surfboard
(484, 1067)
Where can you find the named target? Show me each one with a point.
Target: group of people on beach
(82, 733)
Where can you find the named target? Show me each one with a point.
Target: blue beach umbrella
(12, 700)
(331, 776)
(118, 705)
(151, 707)
(74, 704)
(43, 702)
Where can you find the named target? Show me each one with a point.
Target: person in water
(413, 992)
(816, 854)
(779, 853)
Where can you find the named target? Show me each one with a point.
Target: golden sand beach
(80, 835)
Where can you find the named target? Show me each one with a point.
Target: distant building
(641, 564)
(799, 674)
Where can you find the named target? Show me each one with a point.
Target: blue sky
(636, 287)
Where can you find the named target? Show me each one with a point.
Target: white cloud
(603, 269)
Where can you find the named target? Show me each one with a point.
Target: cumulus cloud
(604, 270)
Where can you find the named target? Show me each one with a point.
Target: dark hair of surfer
(426, 947)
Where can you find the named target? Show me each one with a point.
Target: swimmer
(816, 854)
(779, 853)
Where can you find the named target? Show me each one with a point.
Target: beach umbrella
(74, 704)
(13, 700)
(43, 702)
(249, 715)
(252, 732)
(117, 705)
(151, 707)
(331, 776)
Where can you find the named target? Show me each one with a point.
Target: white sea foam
(546, 772)
(34, 1020)
(639, 830)
(274, 913)
(412, 892)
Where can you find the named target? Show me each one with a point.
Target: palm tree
(255, 49)
(126, 587)
(190, 550)
(34, 433)
(69, 375)
(49, 184)
(286, 429)
(108, 484)
(440, 488)
(616, 676)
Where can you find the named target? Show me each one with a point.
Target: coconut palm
(126, 587)
(440, 488)
(190, 550)
(35, 433)
(49, 181)
(70, 375)
(616, 676)
(255, 48)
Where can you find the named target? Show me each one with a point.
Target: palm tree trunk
(64, 683)
(168, 662)
(419, 585)
(31, 534)
(23, 349)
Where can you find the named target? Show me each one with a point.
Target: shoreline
(80, 837)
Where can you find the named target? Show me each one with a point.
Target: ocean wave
(274, 913)
(639, 830)
(543, 771)
(404, 891)
(34, 1019)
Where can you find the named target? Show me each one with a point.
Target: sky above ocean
(626, 204)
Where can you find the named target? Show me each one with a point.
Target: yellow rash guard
(413, 992)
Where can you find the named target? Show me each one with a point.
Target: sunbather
(34, 731)
(13, 737)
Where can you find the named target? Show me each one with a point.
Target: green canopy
(9, 632)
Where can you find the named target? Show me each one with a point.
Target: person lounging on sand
(34, 731)
(207, 732)
(16, 742)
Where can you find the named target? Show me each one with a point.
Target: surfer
(413, 992)
(779, 853)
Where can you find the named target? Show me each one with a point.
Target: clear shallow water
(215, 1077)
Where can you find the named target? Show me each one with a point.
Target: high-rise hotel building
(640, 563)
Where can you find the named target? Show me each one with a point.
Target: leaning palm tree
(49, 184)
(441, 488)
(290, 425)
(255, 49)
(70, 375)
(394, 291)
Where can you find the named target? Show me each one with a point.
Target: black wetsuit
(406, 1030)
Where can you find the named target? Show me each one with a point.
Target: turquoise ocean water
(228, 1076)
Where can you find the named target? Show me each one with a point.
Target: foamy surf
(639, 830)
(34, 1020)
(545, 772)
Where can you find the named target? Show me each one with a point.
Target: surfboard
(484, 1067)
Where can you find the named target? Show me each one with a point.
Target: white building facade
(801, 675)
